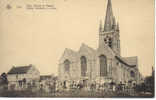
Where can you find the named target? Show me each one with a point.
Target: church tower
(109, 33)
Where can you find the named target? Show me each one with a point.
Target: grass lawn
(72, 93)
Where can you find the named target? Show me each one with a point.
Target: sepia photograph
(77, 48)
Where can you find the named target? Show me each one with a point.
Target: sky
(40, 36)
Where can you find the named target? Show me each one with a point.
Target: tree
(4, 79)
(148, 85)
(149, 81)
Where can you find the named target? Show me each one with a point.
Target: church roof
(70, 51)
(129, 61)
(44, 77)
(19, 70)
(87, 47)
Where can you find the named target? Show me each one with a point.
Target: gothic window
(110, 43)
(103, 65)
(105, 41)
(110, 39)
(66, 65)
(110, 67)
(132, 74)
(83, 65)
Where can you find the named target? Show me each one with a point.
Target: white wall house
(20, 77)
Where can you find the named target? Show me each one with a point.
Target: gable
(85, 50)
(33, 70)
(68, 54)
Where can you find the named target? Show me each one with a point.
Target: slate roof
(87, 47)
(70, 51)
(19, 70)
(44, 77)
(129, 61)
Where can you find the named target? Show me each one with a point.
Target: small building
(22, 77)
(46, 82)
(45, 77)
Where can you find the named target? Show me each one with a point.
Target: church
(103, 64)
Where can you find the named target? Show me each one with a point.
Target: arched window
(103, 65)
(83, 65)
(110, 42)
(66, 65)
(132, 74)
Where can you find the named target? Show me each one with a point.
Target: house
(21, 77)
(47, 82)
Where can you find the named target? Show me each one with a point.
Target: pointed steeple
(109, 17)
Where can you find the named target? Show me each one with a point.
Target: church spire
(109, 17)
